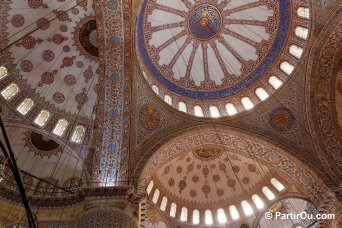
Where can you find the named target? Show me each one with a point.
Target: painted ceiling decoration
(50, 53)
(41, 145)
(39, 156)
(216, 53)
(219, 172)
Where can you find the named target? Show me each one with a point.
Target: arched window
(275, 82)
(144, 74)
(247, 209)
(296, 51)
(198, 111)
(303, 12)
(221, 216)
(234, 212)
(173, 210)
(77, 135)
(155, 89)
(302, 32)
(149, 187)
(168, 99)
(261, 93)
(195, 217)
(208, 217)
(277, 184)
(3, 72)
(163, 204)
(286, 67)
(268, 193)
(25, 106)
(214, 112)
(155, 196)
(10, 91)
(182, 106)
(42, 118)
(231, 110)
(257, 201)
(247, 103)
(60, 127)
(184, 214)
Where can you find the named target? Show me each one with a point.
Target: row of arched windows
(220, 214)
(43, 116)
(260, 92)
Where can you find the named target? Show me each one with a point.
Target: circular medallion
(149, 117)
(281, 119)
(86, 37)
(204, 22)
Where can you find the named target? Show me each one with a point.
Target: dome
(219, 57)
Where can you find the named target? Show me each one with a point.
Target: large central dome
(210, 53)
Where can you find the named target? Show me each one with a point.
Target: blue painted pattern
(247, 82)
(205, 22)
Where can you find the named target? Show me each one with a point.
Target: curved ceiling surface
(213, 52)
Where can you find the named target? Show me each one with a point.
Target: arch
(262, 94)
(156, 196)
(208, 217)
(155, 89)
(3, 72)
(303, 12)
(78, 134)
(246, 207)
(214, 112)
(221, 216)
(296, 51)
(268, 193)
(287, 67)
(234, 213)
(277, 184)
(10, 91)
(25, 106)
(258, 201)
(302, 32)
(173, 210)
(168, 99)
(60, 127)
(294, 169)
(184, 214)
(182, 106)
(198, 111)
(149, 187)
(42, 118)
(275, 82)
(247, 103)
(163, 203)
(195, 217)
(230, 109)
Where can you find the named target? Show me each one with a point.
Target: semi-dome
(216, 58)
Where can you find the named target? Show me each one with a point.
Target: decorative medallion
(40, 145)
(204, 22)
(207, 153)
(277, 207)
(86, 37)
(281, 119)
(149, 117)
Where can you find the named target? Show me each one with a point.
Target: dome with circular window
(213, 58)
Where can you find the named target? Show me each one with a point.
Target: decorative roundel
(204, 22)
(222, 57)
(281, 119)
(85, 37)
